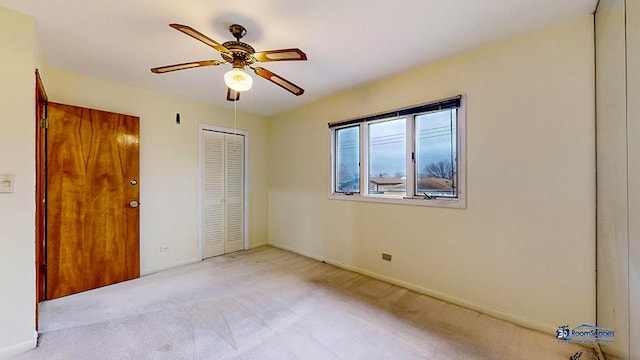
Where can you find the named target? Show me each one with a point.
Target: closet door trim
(245, 134)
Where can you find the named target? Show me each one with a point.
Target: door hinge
(43, 268)
(44, 123)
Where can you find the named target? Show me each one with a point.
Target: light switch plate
(7, 183)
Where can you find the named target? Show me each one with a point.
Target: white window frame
(411, 198)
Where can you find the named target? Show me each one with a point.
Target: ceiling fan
(239, 55)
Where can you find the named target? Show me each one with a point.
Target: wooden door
(92, 178)
(223, 193)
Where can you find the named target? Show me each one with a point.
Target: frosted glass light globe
(238, 80)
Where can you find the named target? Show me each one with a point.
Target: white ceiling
(348, 42)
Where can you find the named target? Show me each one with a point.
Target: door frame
(207, 127)
(41, 101)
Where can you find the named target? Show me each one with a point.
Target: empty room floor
(269, 303)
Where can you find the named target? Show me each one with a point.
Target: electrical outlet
(164, 248)
(7, 183)
(386, 257)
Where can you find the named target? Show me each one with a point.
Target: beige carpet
(272, 304)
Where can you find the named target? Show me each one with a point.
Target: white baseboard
(162, 268)
(19, 348)
(187, 262)
(499, 314)
(253, 246)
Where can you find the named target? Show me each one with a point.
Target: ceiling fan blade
(189, 65)
(280, 55)
(233, 95)
(199, 36)
(278, 80)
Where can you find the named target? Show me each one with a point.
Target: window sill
(458, 203)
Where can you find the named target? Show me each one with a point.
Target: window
(388, 157)
(347, 179)
(409, 156)
(436, 154)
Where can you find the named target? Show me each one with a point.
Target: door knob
(133, 204)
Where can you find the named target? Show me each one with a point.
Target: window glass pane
(436, 162)
(348, 160)
(388, 158)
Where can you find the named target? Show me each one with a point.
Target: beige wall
(524, 249)
(633, 95)
(17, 157)
(169, 161)
(618, 127)
(613, 235)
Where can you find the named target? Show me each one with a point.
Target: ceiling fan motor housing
(239, 54)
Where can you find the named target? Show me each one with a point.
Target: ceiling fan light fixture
(240, 55)
(238, 80)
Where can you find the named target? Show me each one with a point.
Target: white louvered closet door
(213, 194)
(223, 193)
(234, 200)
